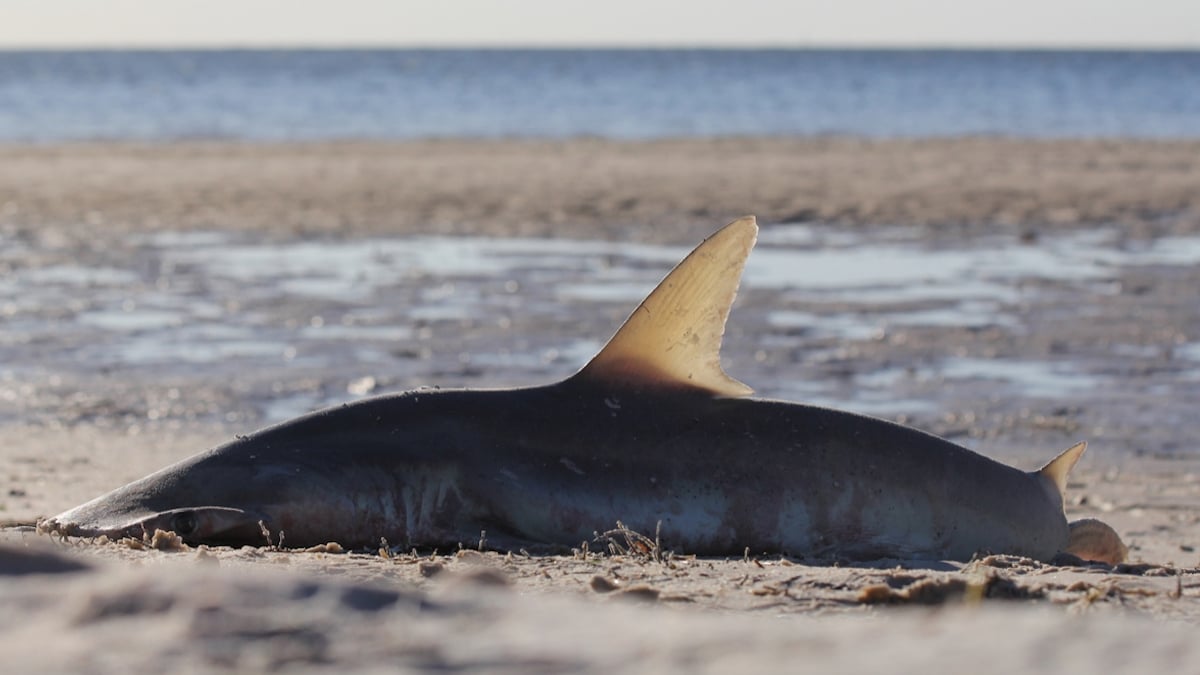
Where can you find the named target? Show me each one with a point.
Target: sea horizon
(624, 93)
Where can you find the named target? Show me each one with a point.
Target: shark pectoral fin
(1094, 540)
(1057, 469)
(673, 339)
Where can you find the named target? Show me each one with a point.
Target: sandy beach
(669, 190)
(73, 425)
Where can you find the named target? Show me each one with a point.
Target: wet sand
(68, 433)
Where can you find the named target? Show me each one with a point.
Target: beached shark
(651, 432)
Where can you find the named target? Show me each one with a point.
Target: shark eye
(184, 523)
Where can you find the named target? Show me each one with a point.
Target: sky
(789, 23)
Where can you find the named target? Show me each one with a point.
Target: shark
(652, 432)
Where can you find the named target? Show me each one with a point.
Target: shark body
(651, 431)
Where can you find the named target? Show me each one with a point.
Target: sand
(81, 606)
(653, 191)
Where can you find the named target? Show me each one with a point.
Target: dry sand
(661, 191)
(79, 606)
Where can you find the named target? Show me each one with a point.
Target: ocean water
(323, 94)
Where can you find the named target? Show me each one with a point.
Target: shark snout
(64, 526)
(196, 525)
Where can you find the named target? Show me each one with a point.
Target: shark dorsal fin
(673, 339)
(1057, 469)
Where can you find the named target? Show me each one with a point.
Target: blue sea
(626, 94)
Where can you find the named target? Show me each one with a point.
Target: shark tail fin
(673, 339)
(1092, 539)
(1057, 469)
(1089, 539)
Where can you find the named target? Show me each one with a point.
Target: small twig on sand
(266, 533)
(624, 541)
